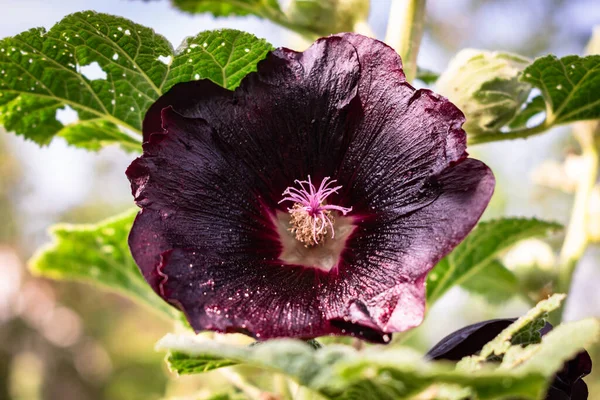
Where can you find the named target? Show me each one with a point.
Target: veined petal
(216, 166)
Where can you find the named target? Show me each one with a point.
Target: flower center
(311, 219)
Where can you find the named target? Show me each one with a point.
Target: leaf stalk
(521, 133)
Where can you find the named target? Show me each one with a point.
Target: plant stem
(576, 238)
(510, 135)
(404, 32)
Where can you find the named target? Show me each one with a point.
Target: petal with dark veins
(216, 163)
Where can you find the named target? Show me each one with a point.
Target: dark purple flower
(567, 383)
(312, 200)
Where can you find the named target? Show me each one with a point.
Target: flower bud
(485, 86)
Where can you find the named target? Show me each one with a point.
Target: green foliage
(427, 76)
(472, 257)
(522, 350)
(530, 333)
(42, 72)
(95, 133)
(491, 88)
(570, 87)
(311, 18)
(340, 372)
(485, 86)
(570, 91)
(533, 107)
(501, 343)
(226, 8)
(98, 254)
(223, 56)
(187, 364)
(327, 17)
(562, 343)
(223, 396)
(494, 282)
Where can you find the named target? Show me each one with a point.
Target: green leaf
(427, 76)
(392, 377)
(93, 134)
(185, 364)
(479, 249)
(226, 8)
(561, 344)
(340, 372)
(514, 344)
(485, 86)
(310, 18)
(369, 390)
(530, 333)
(231, 394)
(494, 282)
(223, 56)
(322, 18)
(42, 72)
(98, 254)
(570, 86)
(501, 343)
(222, 396)
(535, 106)
(293, 357)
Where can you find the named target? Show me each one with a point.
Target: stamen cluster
(311, 217)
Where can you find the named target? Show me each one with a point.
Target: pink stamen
(312, 199)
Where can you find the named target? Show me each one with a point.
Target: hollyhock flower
(312, 200)
(567, 383)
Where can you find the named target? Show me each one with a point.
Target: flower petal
(568, 381)
(200, 210)
(194, 195)
(342, 108)
(402, 137)
(252, 296)
(216, 162)
(389, 256)
(468, 340)
(286, 121)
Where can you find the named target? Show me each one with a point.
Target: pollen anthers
(312, 219)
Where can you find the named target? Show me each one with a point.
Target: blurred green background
(71, 341)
